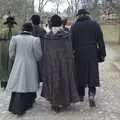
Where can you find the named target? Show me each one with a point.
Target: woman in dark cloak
(58, 73)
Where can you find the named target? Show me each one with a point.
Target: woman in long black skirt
(25, 50)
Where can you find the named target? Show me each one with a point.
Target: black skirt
(20, 102)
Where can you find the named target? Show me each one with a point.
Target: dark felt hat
(27, 27)
(56, 21)
(82, 12)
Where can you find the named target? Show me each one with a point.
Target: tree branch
(42, 4)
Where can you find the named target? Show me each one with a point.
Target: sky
(49, 6)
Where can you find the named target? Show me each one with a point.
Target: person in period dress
(58, 74)
(25, 50)
(38, 31)
(89, 49)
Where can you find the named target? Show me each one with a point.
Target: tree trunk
(57, 9)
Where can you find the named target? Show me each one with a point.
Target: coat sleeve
(37, 49)
(12, 48)
(73, 38)
(101, 44)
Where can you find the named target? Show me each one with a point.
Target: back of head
(56, 21)
(35, 19)
(82, 12)
(27, 27)
(83, 15)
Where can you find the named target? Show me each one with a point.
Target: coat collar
(83, 18)
(26, 33)
(56, 29)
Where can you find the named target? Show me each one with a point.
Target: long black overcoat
(87, 37)
(39, 32)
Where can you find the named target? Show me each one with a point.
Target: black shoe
(30, 107)
(3, 84)
(56, 108)
(81, 98)
(92, 101)
(65, 107)
(21, 114)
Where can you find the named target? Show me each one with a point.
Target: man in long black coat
(38, 32)
(89, 49)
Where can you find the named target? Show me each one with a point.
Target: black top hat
(82, 12)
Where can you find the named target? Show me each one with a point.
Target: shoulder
(36, 40)
(74, 24)
(33, 37)
(65, 34)
(93, 22)
(29, 36)
(14, 38)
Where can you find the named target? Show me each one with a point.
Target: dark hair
(27, 27)
(35, 19)
(56, 21)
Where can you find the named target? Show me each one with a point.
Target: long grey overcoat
(25, 49)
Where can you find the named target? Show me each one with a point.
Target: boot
(92, 100)
(55, 108)
(81, 98)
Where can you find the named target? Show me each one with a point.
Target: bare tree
(91, 5)
(73, 6)
(42, 4)
(17, 7)
(57, 4)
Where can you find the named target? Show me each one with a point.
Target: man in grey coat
(89, 49)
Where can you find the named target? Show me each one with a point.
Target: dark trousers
(91, 90)
(39, 72)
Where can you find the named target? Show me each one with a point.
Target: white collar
(56, 29)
